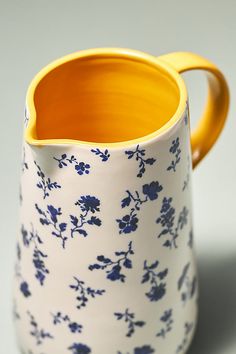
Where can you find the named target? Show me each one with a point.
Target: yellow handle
(213, 119)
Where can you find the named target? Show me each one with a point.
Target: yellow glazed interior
(103, 96)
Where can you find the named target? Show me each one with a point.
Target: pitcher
(105, 259)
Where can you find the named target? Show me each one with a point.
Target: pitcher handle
(211, 123)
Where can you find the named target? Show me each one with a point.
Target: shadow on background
(217, 305)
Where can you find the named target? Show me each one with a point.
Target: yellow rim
(125, 53)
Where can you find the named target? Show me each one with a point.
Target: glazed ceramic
(105, 258)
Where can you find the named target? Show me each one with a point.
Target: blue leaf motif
(158, 287)
(129, 319)
(139, 154)
(167, 221)
(114, 267)
(103, 155)
(176, 151)
(84, 292)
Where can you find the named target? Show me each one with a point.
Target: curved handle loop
(214, 116)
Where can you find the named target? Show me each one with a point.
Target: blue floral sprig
(129, 318)
(176, 151)
(39, 334)
(104, 155)
(87, 204)
(186, 285)
(139, 154)
(38, 255)
(115, 267)
(167, 221)
(84, 292)
(167, 321)
(74, 327)
(188, 327)
(24, 164)
(146, 349)
(45, 183)
(23, 284)
(158, 286)
(80, 167)
(79, 348)
(50, 217)
(187, 178)
(129, 222)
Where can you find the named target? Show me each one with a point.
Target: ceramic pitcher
(105, 260)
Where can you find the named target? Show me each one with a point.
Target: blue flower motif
(88, 204)
(79, 348)
(139, 154)
(84, 292)
(82, 168)
(129, 222)
(129, 318)
(167, 221)
(158, 287)
(104, 155)
(186, 285)
(39, 334)
(151, 190)
(167, 320)
(24, 288)
(114, 268)
(176, 151)
(45, 183)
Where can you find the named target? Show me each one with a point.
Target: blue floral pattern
(40, 335)
(188, 327)
(23, 284)
(138, 154)
(187, 178)
(38, 255)
(82, 168)
(167, 321)
(45, 184)
(129, 319)
(146, 349)
(167, 221)
(156, 280)
(88, 205)
(79, 348)
(50, 217)
(104, 155)
(24, 164)
(129, 222)
(176, 152)
(187, 286)
(84, 292)
(114, 267)
(74, 327)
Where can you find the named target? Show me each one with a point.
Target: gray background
(33, 33)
